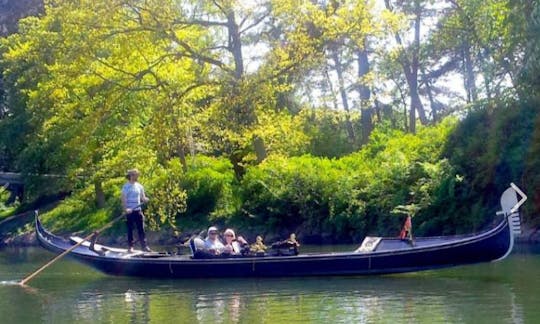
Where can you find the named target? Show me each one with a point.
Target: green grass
(5, 212)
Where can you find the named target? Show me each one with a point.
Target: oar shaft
(61, 255)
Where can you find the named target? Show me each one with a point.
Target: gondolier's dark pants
(136, 219)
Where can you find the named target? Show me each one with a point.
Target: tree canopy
(91, 88)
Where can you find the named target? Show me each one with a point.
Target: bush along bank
(320, 199)
(448, 177)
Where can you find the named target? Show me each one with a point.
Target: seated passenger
(292, 241)
(233, 245)
(286, 247)
(196, 245)
(258, 247)
(212, 243)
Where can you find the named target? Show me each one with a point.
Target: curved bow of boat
(510, 210)
(48, 240)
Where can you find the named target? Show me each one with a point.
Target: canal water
(68, 292)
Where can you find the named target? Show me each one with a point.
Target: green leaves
(354, 194)
(167, 197)
(197, 93)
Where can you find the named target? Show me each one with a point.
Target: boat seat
(198, 251)
(369, 244)
(196, 245)
(102, 249)
(98, 247)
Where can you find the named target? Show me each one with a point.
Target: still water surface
(503, 292)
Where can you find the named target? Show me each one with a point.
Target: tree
(409, 59)
(488, 37)
(329, 35)
(94, 68)
(530, 72)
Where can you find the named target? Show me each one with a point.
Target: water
(67, 292)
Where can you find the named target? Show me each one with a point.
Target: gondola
(375, 256)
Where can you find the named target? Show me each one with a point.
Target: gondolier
(132, 197)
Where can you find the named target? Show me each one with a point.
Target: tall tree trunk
(470, 80)
(235, 45)
(333, 94)
(344, 99)
(487, 74)
(415, 65)
(415, 103)
(100, 195)
(182, 156)
(364, 92)
(432, 102)
(410, 69)
(260, 149)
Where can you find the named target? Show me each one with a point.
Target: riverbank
(18, 231)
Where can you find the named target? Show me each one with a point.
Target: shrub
(354, 195)
(209, 183)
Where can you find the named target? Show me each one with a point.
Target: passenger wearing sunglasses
(212, 243)
(233, 244)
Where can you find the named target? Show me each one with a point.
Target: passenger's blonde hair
(229, 231)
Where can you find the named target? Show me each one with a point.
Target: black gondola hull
(395, 256)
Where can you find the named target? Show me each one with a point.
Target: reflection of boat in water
(480, 293)
(384, 255)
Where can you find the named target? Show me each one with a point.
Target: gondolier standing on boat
(132, 197)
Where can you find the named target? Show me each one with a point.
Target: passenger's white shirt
(216, 244)
(236, 247)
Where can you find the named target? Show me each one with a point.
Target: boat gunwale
(454, 241)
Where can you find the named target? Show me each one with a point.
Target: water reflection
(499, 293)
(137, 306)
(424, 299)
(219, 308)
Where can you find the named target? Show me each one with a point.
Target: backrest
(196, 244)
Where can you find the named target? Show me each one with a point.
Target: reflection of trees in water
(471, 294)
(516, 310)
(137, 306)
(96, 306)
(360, 300)
(92, 309)
(219, 308)
(423, 299)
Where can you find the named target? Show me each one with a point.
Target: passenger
(286, 247)
(212, 243)
(233, 245)
(258, 247)
(292, 241)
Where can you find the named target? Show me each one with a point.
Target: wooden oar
(58, 257)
